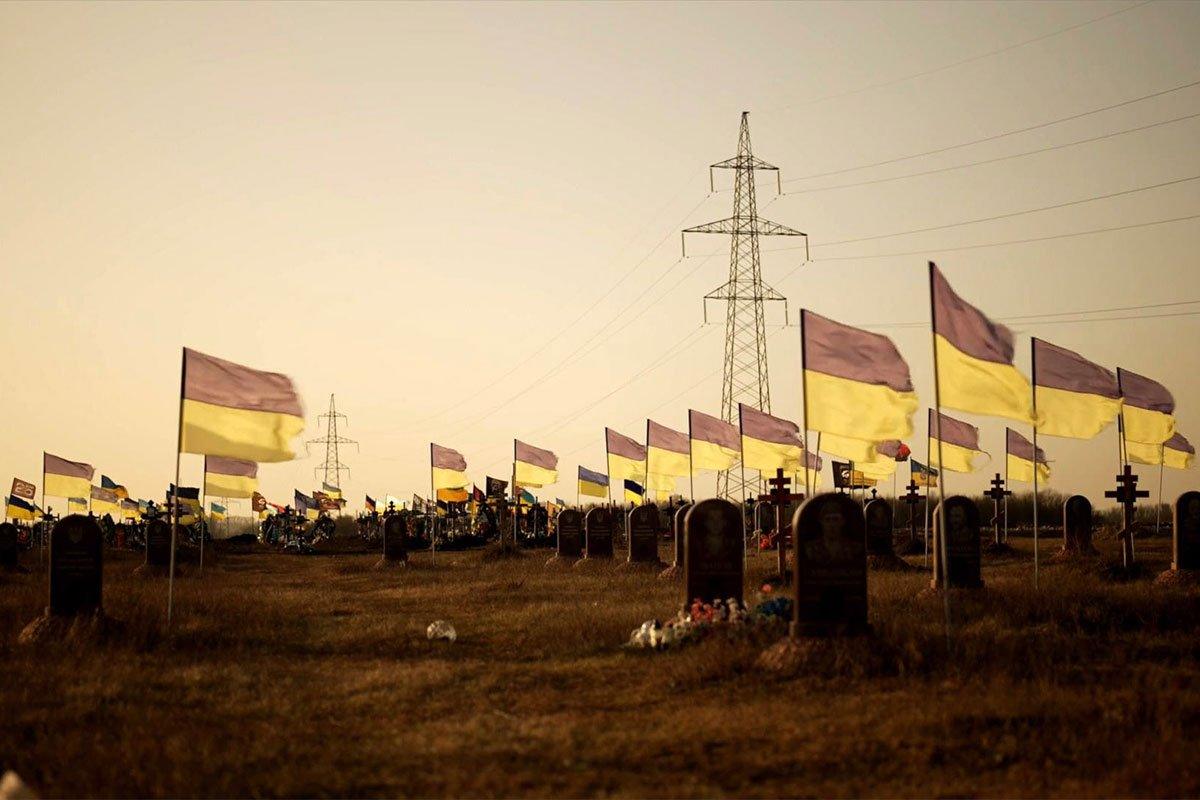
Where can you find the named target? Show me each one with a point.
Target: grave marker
(76, 566)
(830, 567)
(912, 497)
(8, 547)
(395, 539)
(1127, 494)
(997, 493)
(878, 515)
(641, 530)
(962, 545)
(714, 552)
(598, 533)
(1186, 532)
(570, 533)
(1077, 525)
(781, 498)
(158, 544)
(680, 516)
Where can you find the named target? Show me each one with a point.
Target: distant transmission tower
(746, 379)
(333, 467)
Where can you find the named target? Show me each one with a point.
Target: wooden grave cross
(911, 498)
(779, 497)
(997, 493)
(1127, 494)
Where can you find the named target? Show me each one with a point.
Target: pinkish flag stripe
(664, 438)
(528, 454)
(208, 379)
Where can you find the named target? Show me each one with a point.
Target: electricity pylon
(332, 466)
(746, 378)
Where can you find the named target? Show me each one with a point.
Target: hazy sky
(399, 203)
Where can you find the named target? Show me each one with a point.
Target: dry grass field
(299, 676)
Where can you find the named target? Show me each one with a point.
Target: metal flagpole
(1122, 446)
(45, 521)
(928, 475)
(203, 518)
(1006, 480)
(803, 413)
(941, 487)
(1158, 505)
(175, 490)
(433, 517)
(1033, 375)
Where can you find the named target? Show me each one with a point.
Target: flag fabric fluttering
(715, 444)
(922, 475)
(1020, 459)
(668, 452)
(526, 497)
(959, 443)
(230, 477)
(846, 477)
(533, 466)
(626, 458)
(305, 506)
(857, 387)
(369, 504)
(975, 370)
(258, 502)
(217, 512)
(23, 489)
(418, 504)
(811, 477)
(768, 442)
(1178, 452)
(634, 493)
(888, 454)
(130, 509)
(453, 495)
(108, 483)
(104, 501)
(63, 478)
(78, 505)
(19, 508)
(592, 484)
(1148, 410)
(1076, 399)
(237, 412)
(496, 487)
(449, 468)
(332, 491)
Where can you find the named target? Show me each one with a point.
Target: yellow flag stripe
(449, 479)
(712, 456)
(981, 387)
(237, 486)
(855, 450)
(856, 409)
(769, 456)
(1021, 469)
(592, 489)
(667, 462)
(620, 467)
(63, 486)
(1177, 459)
(1143, 425)
(958, 458)
(262, 436)
(1074, 415)
(535, 476)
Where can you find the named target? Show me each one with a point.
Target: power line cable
(996, 136)
(959, 63)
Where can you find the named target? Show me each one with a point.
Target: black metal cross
(912, 497)
(997, 493)
(1127, 494)
(779, 497)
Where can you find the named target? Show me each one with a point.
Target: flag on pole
(888, 454)
(634, 493)
(668, 452)
(715, 444)
(593, 484)
(975, 371)
(418, 504)
(108, 483)
(527, 498)
(960, 442)
(453, 495)
(23, 489)
(811, 474)
(1076, 398)
(78, 505)
(104, 501)
(769, 443)
(130, 509)
(19, 508)
(533, 466)
(857, 386)
(65, 478)
(1020, 460)
(230, 477)
(258, 502)
(922, 475)
(1149, 408)
(1178, 452)
(237, 412)
(369, 504)
(217, 512)
(496, 487)
(626, 458)
(449, 468)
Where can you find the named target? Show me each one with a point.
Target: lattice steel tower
(746, 378)
(332, 467)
